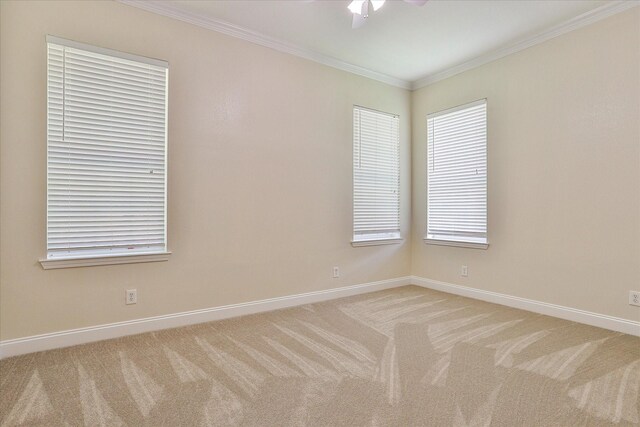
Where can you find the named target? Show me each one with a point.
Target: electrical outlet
(634, 298)
(336, 272)
(464, 271)
(131, 296)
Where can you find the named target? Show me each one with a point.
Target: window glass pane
(106, 153)
(376, 175)
(457, 174)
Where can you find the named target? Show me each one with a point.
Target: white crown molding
(579, 21)
(581, 316)
(16, 347)
(165, 9)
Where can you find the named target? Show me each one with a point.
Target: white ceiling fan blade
(356, 6)
(377, 4)
(416, 2)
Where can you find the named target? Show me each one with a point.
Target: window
(106, 152)
(376, 177)
(457, 176)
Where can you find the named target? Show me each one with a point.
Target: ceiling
(403, 41)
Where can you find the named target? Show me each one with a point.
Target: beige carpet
(401, 357)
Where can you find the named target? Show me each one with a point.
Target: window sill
(377, 242)
(50, 264)
(470, 245)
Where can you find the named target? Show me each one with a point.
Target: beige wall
(260, 147)
(260, 172)
(564, 171)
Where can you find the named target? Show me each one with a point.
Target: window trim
(471, 245)
(437, 241)
(85, 261)
(141, 255)
(377, 242)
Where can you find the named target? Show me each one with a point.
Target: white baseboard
(68, 338)
(594, 319)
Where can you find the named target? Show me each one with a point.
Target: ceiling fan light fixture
(360, 9)
(356, 6)
(377, 4)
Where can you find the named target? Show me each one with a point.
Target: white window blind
(457, 174)
(376, 175)
(106, 152)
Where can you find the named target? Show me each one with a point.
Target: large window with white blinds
(106, 152)
(457, 175)
(376, 176)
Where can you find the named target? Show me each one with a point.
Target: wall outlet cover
(131, 296)
(464, 271)
(634, 298)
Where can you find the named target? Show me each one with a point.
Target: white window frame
(95, 249)
(377, 235)
(465, 239)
